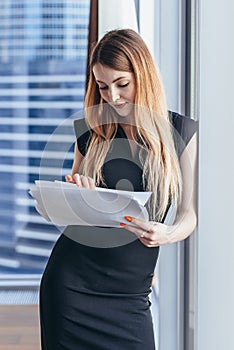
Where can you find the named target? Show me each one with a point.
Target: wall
(215, 312)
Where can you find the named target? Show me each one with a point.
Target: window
(43, 47)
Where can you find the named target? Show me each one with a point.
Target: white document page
(65, 204)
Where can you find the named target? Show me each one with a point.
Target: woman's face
(118, 88)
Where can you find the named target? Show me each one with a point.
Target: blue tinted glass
(42, 69)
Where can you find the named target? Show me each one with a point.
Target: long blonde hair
(125, 50)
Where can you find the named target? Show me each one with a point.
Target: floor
(19, 327)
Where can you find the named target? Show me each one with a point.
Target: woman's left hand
(150, 233)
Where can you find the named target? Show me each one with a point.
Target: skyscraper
(43, 45)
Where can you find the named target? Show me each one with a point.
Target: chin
(124, 113)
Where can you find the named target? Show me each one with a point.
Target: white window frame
(161, 25)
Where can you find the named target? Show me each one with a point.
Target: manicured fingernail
(122, 224)
(128, 218)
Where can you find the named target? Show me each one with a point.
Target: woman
(95, 295)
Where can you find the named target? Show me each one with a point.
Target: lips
(119, 105)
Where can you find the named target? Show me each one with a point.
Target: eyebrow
(114, 81)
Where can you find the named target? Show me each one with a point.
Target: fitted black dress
(94, 290)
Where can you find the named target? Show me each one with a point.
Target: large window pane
(43, 45)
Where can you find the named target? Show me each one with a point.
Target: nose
(114, 94)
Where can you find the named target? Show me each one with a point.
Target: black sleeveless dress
(94, 290)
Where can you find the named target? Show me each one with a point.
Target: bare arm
(75, 177)
(77, 161)
(152, 233)
(186, 218)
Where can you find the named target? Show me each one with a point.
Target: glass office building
(43, 46)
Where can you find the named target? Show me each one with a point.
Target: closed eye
(119, 85)
(103, 87)
(123, 85)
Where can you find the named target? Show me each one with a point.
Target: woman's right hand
(81, 181)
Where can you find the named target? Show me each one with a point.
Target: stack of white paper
(65, 204)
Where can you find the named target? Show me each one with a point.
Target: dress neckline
(122, 134)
